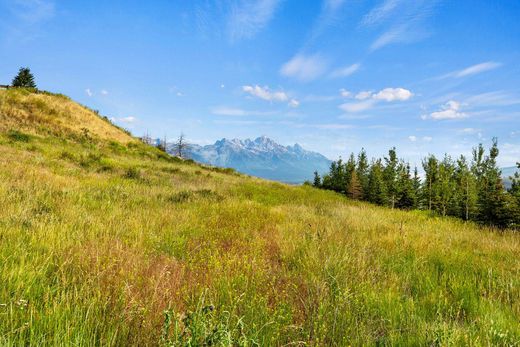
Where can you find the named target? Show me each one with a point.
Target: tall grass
(157, 252)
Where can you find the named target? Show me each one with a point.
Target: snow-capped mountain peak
(262, 157)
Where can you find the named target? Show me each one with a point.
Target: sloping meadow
(107, 242)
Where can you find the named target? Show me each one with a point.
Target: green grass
(104, 242)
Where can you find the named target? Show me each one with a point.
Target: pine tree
(405, 188)
(376, 184)
(317, 180)
(466, 189)
(354, 190)
(390, 175)
(431, 168)
(417, 188)
(446, 187)
(494, 205)
(24, 79)
(362, 171)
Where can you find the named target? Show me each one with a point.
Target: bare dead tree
(146, 139)
(163, 144)
(180, 145)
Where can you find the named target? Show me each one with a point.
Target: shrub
(18, 136)
(132, 173)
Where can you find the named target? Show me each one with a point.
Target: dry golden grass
(21, 109)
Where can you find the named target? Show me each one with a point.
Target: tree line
(468, 189)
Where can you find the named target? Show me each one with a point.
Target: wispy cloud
(380, 13)
(305, 67)
(473, 70)
(345, 71)
(33, 11)
(265, 93)
(247, 18)
(237, 112)
(450, 110)
(404, 21)
(88, 92)
(129, 119)
(353, 107)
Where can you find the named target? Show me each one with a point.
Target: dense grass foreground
(110, 242)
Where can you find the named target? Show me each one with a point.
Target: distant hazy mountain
(506, 173)
(262, 157)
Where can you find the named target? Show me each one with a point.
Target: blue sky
(333, 75)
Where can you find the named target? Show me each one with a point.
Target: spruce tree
(390, 175)
(405, 188)
(362, 171)
(494, 205)
(354, 190)
(24, 79)
(317, 180)
(466, 189)
(446, 187)
(377, 193)
(417, 188)
(430, 191)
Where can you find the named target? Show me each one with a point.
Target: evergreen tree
(317, 180)
(494, 205)
(405, 188)
(24, 79)
(350, 167)
(354, 190)
(431, 169)
(390, 175)
(417, 188)
(515, 193)
(466, 190)
(446, 187)
(376, 184)
(362, 171)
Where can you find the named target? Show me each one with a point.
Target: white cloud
(265, 93)
(476, 69)
(345, 71)
(451, 110)
(405, 21)
(247, 18)
(333, 5)
(369, 98)
(222, 86)
(364, 95)
(393, 94)
(412, 138)
(357, 106)
(88, 92)
(33, 11)
(237, 112)
(332, 126)
(394, 35)
(380, 12)
(304, 68)
(469, 131)
(294, 103)
(129, 119)
(104, 92)
(427, 138)
(345, 93)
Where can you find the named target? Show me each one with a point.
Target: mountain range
(261, 157)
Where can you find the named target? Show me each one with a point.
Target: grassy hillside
(105, 241)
